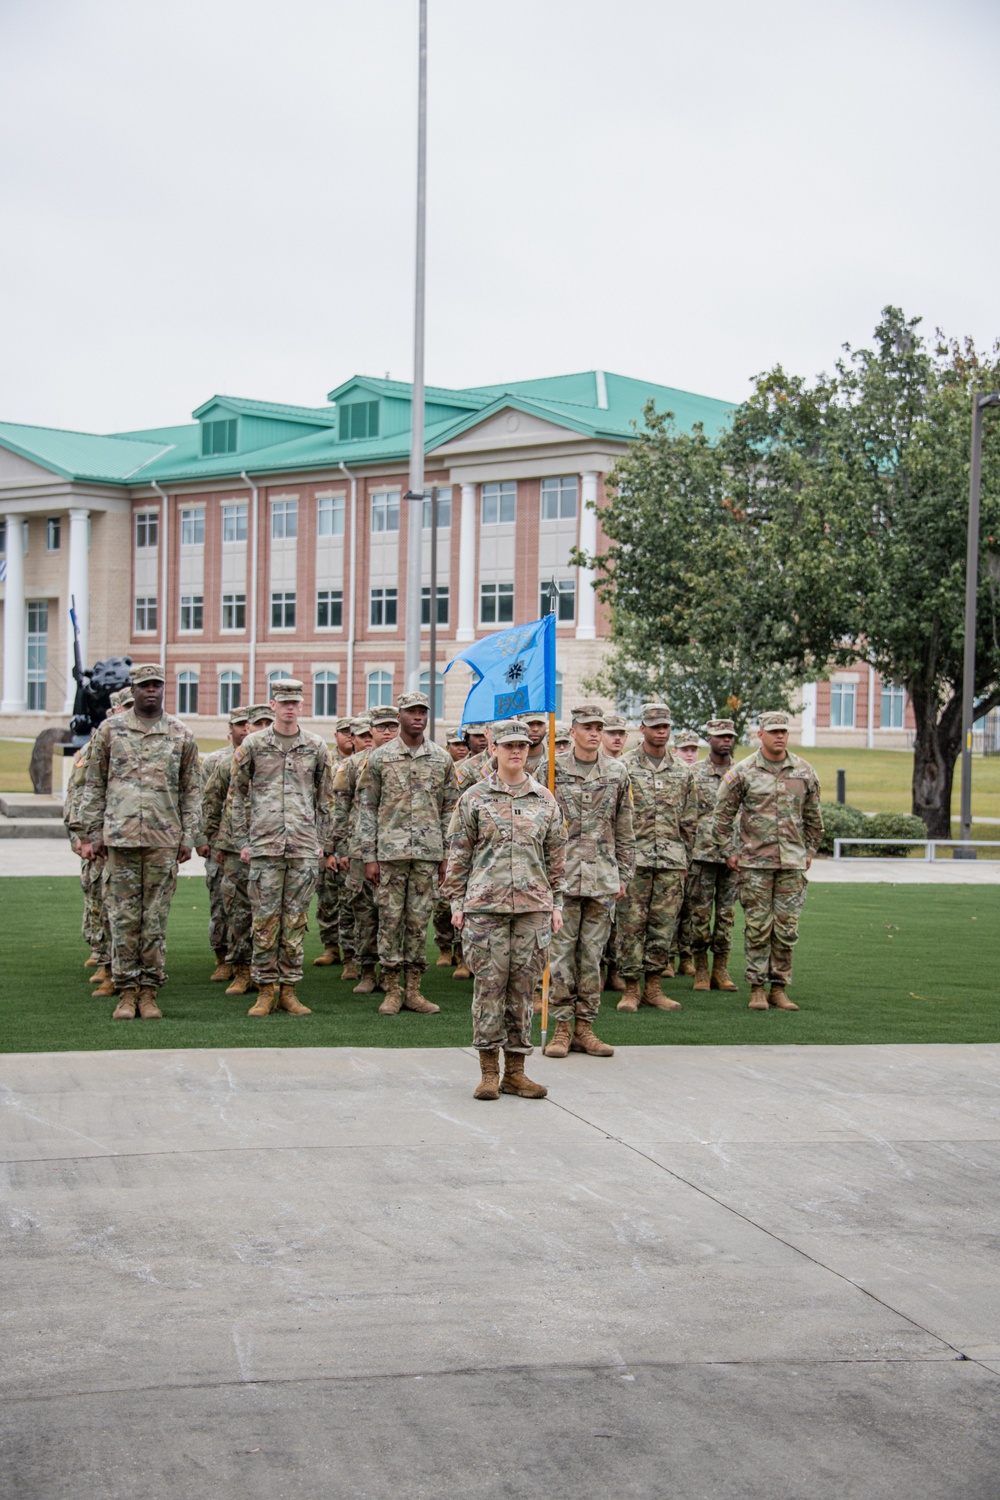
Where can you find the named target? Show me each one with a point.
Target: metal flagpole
(415, 494)
(432, 675)
(979, 403)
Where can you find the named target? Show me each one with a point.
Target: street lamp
(979, 405)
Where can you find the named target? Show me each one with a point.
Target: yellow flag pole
(552, 787)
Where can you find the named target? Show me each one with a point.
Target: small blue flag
(515, 670)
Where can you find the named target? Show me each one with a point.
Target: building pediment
(16, 470)
(507, 428)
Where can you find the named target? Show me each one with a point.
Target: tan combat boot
(366, 985)
(758, 997)
(630, 999)
(446, 959)
(100, 974)
(92, 962)
(720, 974)
(148, 1008)
(669, 971)
(327, 958)
(125, 1009)
(222, 970)
(393, 1002)
(615, 980)
(242, 983)
(489, 1067)
(514, 1080)
(463, 971)
(654, 996)
(289, 1000)
(584, 1040)
(685, 968)
(413, 999)
(779, 999)
(267, 995)
(105, 988)
(561, 1041)
(701, 979)
(350, 970)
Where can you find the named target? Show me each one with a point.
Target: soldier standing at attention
(447, 939)
(613, 742)
(217, 825)
(505, 883)
(665, 815)
(335, 931)
(456, 746)
(777, 798)
(562, 744)
(282, 794)
(686, 749)
(593, 794)
(537, 763)
(383, 727)
(408, 791)
(142, 808)
(218, 923)
(711, 883)
(469, 771)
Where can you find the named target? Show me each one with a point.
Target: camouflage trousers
(333, 911)
(96, 927)
(280, 892)
(772, 902)
(236, 901)
(139, 887)
(684, 938)
(218, 926)
(405, 898)
(647, 921)
(575, 958)
(445, 935)
(364, 915)
(506, 954)
(710, 886)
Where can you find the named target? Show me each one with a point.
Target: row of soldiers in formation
(396, 830)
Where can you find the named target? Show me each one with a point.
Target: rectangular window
(382, 610)
(558, 597)
(230, 690)
(147, 528)
(442, 605)
(192, 528)
(218, 437)
(499, 504)
(283, 611)
(234, 523)
(53, 534)
(330, 515)
(38, 652)
(385, 511)
(145, 614)
(842, 695)
(444, 509)
(325, 695)
(359, 419)
(284, 519)
(329, 609)
(187, 693)
(559, 498)
(192, 611)
(234, 611)
(893, 705)
(3, 538)
(496, 603)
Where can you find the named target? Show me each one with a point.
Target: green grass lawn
(875, 963)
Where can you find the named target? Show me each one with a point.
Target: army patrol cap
(774, 720)
(588, 713)
(122, 699)
(686, 737)
(454, 737)
(562, 732)
(147, 672)
(413, 700)
(382, 716)
(361, 725)
(288, 690)
(615, 721)
(506, 730)
(720, 726)
(655, 713)
(239, 715)
(474, 729)
(342, 726)
(534, 719)
(258, 711)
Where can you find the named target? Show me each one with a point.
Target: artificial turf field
(875, 963)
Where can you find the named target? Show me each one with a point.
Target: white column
(467, 567)
(78, 588)
(14, 663)
(586, 598)
(870, 738)
(809, 713)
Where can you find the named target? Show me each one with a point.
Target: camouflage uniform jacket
(74, 791)
(282, 800)
(707, 781)
(142, 789)
(206, 766)
(347, 804)
(536, 762)
(216, 808)
(507, 850)
(596, 802)
(664, 810)
(780, 819)
(407, 797)
(470, 770)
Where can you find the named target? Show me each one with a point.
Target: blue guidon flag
(515, 671)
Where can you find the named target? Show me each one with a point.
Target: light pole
(979, 405)
(415, 494)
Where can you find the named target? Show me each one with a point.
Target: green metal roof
(81, 455)
(321, 415)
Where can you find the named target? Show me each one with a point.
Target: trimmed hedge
(892, 825)
(841, 821)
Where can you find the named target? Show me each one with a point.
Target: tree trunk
(936, 748)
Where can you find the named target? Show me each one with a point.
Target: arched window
(230, 691)
(425, 687)
(187, 692)
(280, 674)
(325, 695)
(559, 681)
(379, 689)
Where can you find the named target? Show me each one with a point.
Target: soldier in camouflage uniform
(506, 865)
(217, 826)
(336, 926)
(776, 795)
(686, 749)
(407, 790)
(448, 941)
(562, 744)
(142, 806)
(711, 883)
(613, 742)
(538, 753)
(593, 794)
(456, 746)
(468, 772)
(282, 794)
(218, 923)
(665, 815)
(379, 730)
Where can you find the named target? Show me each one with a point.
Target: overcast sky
(207, 196)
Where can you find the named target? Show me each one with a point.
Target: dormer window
(218, 437)
(359, 419)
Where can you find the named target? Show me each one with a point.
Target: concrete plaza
(691, 1272)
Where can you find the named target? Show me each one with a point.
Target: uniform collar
(131, 718)
(271, 735)
(568, 765)
(667, 759)
(496, 785)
